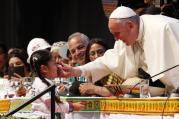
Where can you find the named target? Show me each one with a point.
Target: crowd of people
(42, 62)
(149, 42)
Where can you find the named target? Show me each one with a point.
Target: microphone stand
(164, 71)
(51, 89)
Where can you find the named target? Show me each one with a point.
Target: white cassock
(161, 46)
(120, 60)
(156, 50)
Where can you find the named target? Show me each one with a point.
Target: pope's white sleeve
(95, 69)
(118, 60)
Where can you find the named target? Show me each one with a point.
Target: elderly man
(151, 42)
(77, 43)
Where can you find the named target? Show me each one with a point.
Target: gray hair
(82, 36)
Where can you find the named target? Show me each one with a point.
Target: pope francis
(150, 42)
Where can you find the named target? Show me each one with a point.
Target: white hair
(82, 36)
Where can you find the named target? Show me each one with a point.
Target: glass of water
(144, 88)
(68, 85)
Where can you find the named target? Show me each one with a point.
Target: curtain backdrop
(54, 20)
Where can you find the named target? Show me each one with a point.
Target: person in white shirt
(148, 41)
(46, 69)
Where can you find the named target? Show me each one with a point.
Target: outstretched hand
(66, 71)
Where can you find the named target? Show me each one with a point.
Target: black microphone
(143, 74)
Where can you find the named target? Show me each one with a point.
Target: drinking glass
(144, 88)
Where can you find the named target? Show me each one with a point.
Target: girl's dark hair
(99, 41)
(38, 58)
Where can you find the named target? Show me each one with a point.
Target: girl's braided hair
(38, 58)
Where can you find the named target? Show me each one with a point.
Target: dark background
(54, 20)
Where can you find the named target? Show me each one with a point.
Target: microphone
(144, 75)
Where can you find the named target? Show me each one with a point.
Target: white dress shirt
(40, 105)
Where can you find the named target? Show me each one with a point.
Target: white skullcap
(122, 12)
(36, 44)
(61, 47)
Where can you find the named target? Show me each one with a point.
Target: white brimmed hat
(122, 12)
(61, 47)
(36, 44)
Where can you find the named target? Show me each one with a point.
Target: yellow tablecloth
(150, 106)
(7, 105)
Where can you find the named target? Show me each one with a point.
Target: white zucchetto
(122, 12)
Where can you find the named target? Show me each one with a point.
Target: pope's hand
(66, 71)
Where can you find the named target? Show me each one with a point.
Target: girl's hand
(78, 106)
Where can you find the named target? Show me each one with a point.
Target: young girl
(44, 66)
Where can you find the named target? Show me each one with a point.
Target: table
(119, 108)
(143, 106)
